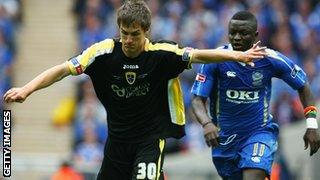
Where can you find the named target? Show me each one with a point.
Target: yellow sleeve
(78, 64)
(185, 53)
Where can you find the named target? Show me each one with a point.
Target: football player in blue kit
(241, 130)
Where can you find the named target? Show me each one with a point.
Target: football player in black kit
(137, 82)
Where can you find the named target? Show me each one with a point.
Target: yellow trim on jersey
(72, 68)
(166, 47)
(171, 48)
(175, 99)
(88, 56)
(161, 147)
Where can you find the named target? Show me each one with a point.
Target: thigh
(258, 152)
(226, 159)
(149, 160)
(117, 162)
(254, 174)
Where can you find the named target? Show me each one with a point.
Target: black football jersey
(142, 95)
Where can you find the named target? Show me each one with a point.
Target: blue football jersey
(240, 94)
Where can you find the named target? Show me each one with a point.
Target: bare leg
(254, 174)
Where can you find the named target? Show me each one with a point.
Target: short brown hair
(134, 11)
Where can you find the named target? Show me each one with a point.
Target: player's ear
(256, 34)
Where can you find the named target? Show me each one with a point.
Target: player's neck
(132, 55)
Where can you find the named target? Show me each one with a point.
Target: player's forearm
(47, 78)
(199, 109)
(215, 55)
(306, 96)
(308, 102)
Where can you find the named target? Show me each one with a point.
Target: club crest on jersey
(131, 77)
(200, 77)
(257, 78)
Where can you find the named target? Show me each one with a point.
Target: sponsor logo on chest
(131, 91)
(242, 97)
(126, 66)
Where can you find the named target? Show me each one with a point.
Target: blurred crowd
(10, 20)
(289, 26)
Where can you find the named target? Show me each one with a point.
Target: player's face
(133, 39)
(242, 34)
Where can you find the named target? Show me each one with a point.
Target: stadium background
(65, 122)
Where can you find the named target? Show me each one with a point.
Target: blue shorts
(237, 152)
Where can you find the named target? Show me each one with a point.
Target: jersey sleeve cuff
(190, 59)
(187, 56)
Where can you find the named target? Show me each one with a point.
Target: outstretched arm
(219, 55)
(210, 131)
(311, 136)
(43, 80)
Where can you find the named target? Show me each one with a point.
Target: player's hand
(256, 52)
(211, 134)
(15, 95)
(311, 137)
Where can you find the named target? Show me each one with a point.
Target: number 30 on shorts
(148, 171)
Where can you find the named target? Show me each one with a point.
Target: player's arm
(75, 66)
(210, 131)
(43, 80)
(219, 55)
(203, 86)
(311, 136)
(294, 76)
